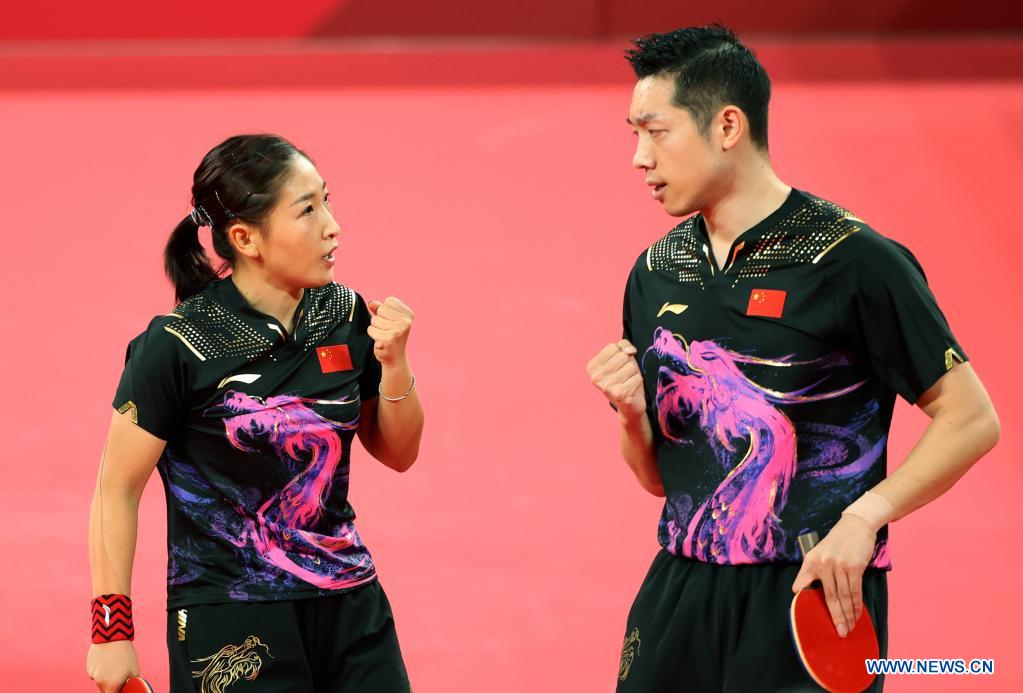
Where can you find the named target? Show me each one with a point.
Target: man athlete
(765, 340)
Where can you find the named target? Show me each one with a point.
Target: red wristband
(111, 618)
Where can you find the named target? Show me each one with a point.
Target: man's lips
(656, 188)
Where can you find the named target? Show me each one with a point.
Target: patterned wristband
(111, 618)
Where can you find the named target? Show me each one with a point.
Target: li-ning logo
(630, 650)
(106, 614)
(676, 308)
(241, 378)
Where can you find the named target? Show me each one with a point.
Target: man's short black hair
(711, 69)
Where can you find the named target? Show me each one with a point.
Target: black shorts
(343, 644)
(698, 627)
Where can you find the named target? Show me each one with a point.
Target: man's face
(681, 165)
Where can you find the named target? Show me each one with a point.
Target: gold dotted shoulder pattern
(805, 236)
(327, 307)
(210, 330)
(679, 253)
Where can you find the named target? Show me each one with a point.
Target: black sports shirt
(259, 426)
(771, 382)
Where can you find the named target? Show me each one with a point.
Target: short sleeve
(627, 310)
(153, 385)
(369, 377)
(633, 292)
(900, 327)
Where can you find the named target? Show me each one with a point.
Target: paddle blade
(136, 684)
(836, 664)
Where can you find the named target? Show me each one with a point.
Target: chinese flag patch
(767, 303)
(334, 358)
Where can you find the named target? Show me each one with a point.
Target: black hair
(712, 69)
(239, 179)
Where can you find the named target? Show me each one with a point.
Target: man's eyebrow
(643, 118)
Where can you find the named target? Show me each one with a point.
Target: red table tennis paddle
(835, 663)
(136, 684)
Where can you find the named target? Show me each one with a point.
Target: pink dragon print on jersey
(280, 529)
(701, 383)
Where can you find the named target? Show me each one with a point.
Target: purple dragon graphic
(280, 530)
(754, 441)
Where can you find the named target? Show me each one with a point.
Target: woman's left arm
(391, 425)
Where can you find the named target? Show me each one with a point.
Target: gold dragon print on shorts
(630, 650)
(230, 665)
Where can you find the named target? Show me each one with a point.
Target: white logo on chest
(248, 378)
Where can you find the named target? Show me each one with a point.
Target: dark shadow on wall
(607, 18)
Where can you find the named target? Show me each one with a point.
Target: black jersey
(259, 426)
(771, 382)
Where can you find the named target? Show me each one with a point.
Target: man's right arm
(638, 450)
(616, 374)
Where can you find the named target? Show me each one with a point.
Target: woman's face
(299, 249)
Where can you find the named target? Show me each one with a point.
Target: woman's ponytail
(186, 262)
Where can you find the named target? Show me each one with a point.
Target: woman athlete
(246, 399)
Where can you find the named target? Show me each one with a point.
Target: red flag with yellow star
(766, 303)
(334, 358)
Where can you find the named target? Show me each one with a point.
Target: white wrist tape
(873, 509)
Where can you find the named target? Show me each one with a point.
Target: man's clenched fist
(616, 374)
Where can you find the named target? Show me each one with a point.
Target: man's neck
(751, 196)
(266, 297)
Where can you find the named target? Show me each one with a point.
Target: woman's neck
(266, 297)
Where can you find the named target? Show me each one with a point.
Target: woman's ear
(245, 239)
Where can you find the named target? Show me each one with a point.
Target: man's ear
(730, 125)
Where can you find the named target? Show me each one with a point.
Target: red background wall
(489, 185)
